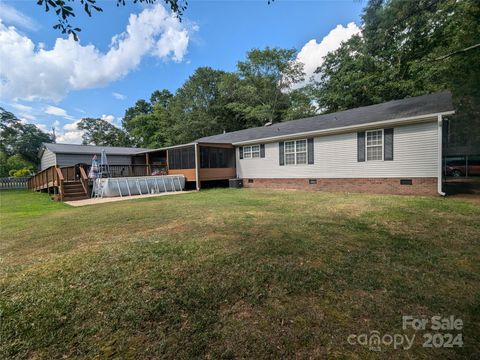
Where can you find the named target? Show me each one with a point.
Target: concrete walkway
(94, 201)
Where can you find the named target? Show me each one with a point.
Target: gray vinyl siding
(72, 159)
(48, 159)
(415, 155)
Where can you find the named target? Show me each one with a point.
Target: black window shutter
(240, 149)
(388, 144)
(310, 150)
(361, 146)
(281, 157)
(262, 150)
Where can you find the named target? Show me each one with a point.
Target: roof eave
(166, 148)
(398, 121)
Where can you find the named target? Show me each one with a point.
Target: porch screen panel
(213, 157)
(182, 158)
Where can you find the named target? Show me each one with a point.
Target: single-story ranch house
(392, 148)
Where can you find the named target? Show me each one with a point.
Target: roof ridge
(330, 113)
(394, 109)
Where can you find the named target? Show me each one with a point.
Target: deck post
(48, 185)
(197, 165)
(149, 167)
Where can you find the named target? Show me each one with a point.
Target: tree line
(405, 48)
(213, 101)
(19, 145)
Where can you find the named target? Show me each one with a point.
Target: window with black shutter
(388, 147)
(311, 158)
(281, 153)
(361, 146)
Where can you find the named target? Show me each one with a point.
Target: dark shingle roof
(397, 109)
(92, 149)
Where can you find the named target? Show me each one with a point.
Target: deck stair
(73, 190)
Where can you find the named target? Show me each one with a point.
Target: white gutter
(399, 121)
(439, 154)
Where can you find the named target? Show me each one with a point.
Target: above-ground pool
(138, 185)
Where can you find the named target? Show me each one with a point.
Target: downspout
(197, 178)
(439, 159)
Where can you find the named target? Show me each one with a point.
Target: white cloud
(12, 16)
(56, 111)
(27, 116)
(118, 96)
(31, 73)
(21, 107)
(43, 127)
(108, 118)
(312, 53)
(69, 134)
(71, 126)
(70, 137)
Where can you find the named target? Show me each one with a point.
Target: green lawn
(234, 274)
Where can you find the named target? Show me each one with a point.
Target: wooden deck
(63, 183)
(70, 183)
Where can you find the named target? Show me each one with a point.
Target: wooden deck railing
(50, 179)
(84, 180)
(53, 178)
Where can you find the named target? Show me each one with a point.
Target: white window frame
(367, 146)
(249, 149)
(295, 152)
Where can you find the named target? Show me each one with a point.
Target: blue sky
(51, 82)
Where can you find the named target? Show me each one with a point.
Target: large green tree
(19, 138)
(213, 101)
(147, 122)
(101, 132)
(409, 48)
(197, 108)
(259, 91)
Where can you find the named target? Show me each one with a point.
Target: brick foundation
(420, 186)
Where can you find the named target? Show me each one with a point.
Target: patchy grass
(233, 274)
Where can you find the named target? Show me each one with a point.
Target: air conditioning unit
(235, 183)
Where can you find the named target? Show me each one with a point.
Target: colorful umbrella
(93, 173)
